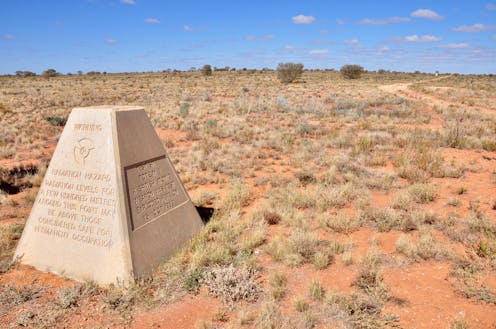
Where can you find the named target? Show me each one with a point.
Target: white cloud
(266, 37)
(128, 2)
(323, 31)
(111, 42)
(262, 38)
(382, 50)
(8, 37)
(152, 20)
(426, 13)
(192, 28)
(302, 19)
(384, 21)
(420, 39)
(351, 42)
(474, 28)
(491, 6)
(340, 22)
(455, 46)
(319, 52)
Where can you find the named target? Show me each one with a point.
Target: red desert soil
(431, 299)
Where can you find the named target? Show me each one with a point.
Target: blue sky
(151, 35)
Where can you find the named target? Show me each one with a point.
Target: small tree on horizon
(207, 70)
(288, 72)
(351, 71)
(50, 73)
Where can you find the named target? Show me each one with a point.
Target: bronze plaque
(153, 190)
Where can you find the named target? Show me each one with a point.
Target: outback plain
(339, 203)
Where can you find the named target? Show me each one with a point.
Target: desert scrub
(316, 291)
(292, 196)
(232, 284)
(277, 286)
(340, 222)
(237, 197)
(288, 72)
(301, 248)
(423, 193)
(384, 218)
(419, 164)
(10, 234)
(425, 248)
(339, 196)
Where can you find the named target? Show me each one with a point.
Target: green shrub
(50, 73)
(56, 120)
(288, 72)
(351, 71)
(207, 70)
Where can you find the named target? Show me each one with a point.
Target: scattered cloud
(191, 28)
(128, 2)
(319, 52)
(302, 19)
(8, 37)
(384, 21)
(382, 50)
(111, 42)
(266, 37)
(261, 39)
(340, 22)
(420, 39)
(352, 42)
(323, 31)
(455, 46)
(57, 23)
(474, 28)
(152, 20)
(491, 6)
(426, 13)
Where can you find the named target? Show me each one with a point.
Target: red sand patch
(432, 302)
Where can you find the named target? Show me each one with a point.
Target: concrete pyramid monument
(111, 205)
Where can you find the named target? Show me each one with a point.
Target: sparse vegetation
(289, 72)
(351, 71)
(351, 165)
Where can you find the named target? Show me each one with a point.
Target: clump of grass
(9, 236)
(459, 322)
(192, 282)
(422, 193)
(301, 248)
(237, 197)
(232, 284)
(68, 297)
(305, 177)
(425, 248)
(316, 291)
(55, 120)
(277, 283)
(385, 218)
(301, 305)
(341, 222)
(270, 317)
(271, 217)
(419, 165)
